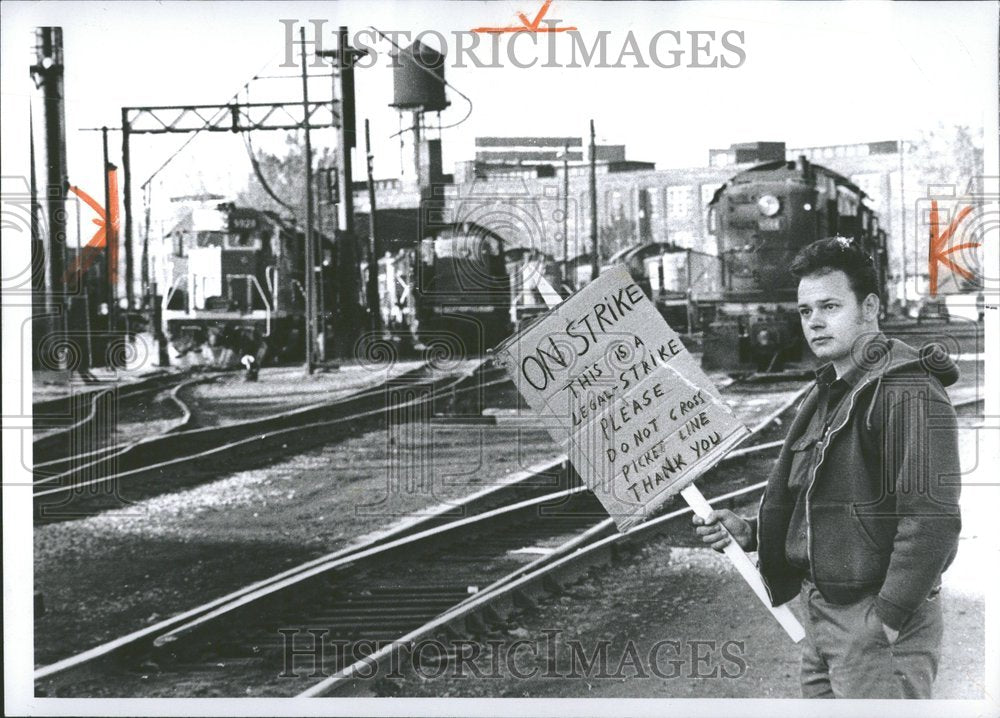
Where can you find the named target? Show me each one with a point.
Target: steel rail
(168, 630)
(164, 632)
(247, 425)
(64, 465)
(542, 572)
(50, 443)
(547, 467)
(570, 553)
(440, 388)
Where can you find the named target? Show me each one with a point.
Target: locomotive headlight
(769, 205)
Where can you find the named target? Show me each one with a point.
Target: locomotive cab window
(242, 240)
(847, 202)
(209, 239)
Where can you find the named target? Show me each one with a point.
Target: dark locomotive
(453, 288)
(761, 218)
(462, 288)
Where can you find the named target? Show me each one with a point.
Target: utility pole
(310, 251)
(321, 310)
(127, 191)
(147, 192)
(333, 309)
(347, 241)
(902, 222)
(373, 301)
(348, 264)
(37, 242)
(110, 236)
(565, 227)
(596, 270)
(47, 73)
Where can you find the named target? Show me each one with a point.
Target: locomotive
(453, 288)
(462, 287)
(761, 218)
(236, 284)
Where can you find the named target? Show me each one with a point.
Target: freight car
(761, 218)
(682, 282)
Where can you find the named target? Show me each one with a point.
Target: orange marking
(81, 265)
(938, 250)
(526, 26)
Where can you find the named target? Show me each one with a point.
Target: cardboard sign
(622, 396)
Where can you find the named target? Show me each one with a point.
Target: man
(860, 514)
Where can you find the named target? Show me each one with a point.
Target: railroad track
(179, 459)
(959, 336)
(449, 577)
(84, 424)
(107, 446)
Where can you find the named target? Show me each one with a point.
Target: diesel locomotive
(452, 288)
(236, 282)
(761, 218)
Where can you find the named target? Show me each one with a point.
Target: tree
(943, 157)
(285, 177)
(948, 155)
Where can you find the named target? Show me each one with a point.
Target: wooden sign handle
(746, 567)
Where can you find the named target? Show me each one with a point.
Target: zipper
(821, 445)
(760, 505)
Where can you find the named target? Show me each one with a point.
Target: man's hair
(827, 255)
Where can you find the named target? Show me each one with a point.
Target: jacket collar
(869, 358)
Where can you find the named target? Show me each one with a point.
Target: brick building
(521, 197)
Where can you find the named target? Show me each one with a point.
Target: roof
(790, 167)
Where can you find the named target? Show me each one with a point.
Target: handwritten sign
(621, 394)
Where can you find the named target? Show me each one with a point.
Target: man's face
(832, 317)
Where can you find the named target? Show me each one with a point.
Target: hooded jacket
(882, 496)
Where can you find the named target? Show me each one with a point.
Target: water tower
(419, 88)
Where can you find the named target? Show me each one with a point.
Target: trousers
(846, 653)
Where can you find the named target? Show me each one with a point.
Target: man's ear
(870, 307)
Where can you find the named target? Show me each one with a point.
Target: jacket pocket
(843, 553)
(866, 533)
(801, 464)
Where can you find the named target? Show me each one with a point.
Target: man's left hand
(891, 633)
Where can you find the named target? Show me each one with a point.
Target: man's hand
(891, 633)
(712, 532)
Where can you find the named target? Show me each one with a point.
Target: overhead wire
(257, 76)
(207, 123)
(252, 154)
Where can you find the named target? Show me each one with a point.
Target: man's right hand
(712, 532)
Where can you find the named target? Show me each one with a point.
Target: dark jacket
(882, 503)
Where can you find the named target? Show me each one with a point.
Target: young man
(860, 514)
